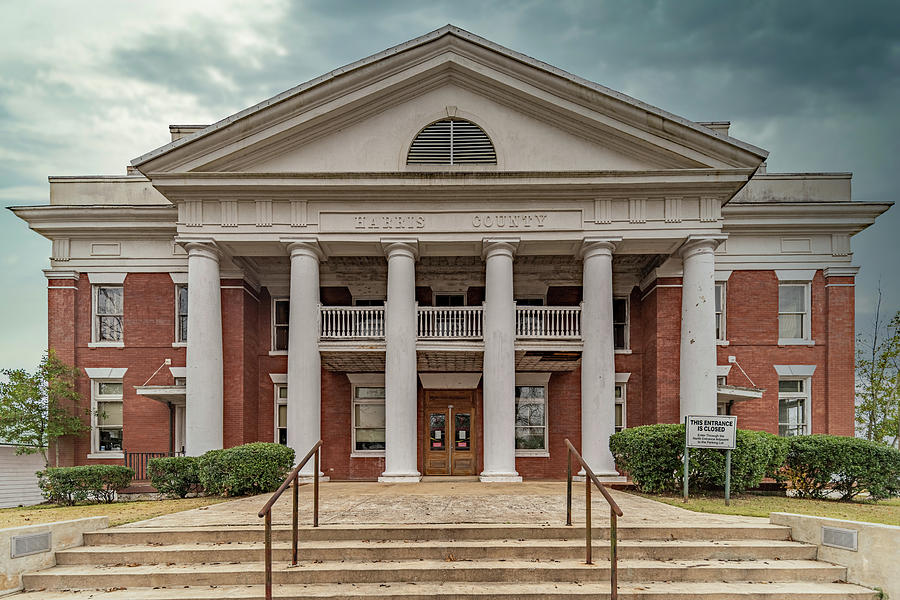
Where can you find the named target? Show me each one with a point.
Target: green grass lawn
(760, 505)
(119, 513)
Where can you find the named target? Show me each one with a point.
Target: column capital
(402, 246)
(203, 247)
(592, 246)
(701, 244)
(499, 245)
(303, 246)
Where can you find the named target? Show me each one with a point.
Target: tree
(38, 408)
(877, 381)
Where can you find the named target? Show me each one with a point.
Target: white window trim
(806, 395)
(275, 388)
(807, 317)
(95, 329)
(96, 398)
(363, 380)
(722, 340)
(537, 380)
(627, 348)
(272, 350)
(178, 343)
(624, 403)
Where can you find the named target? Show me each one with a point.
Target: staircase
(412, 562)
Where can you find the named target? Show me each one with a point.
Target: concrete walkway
(534, 503)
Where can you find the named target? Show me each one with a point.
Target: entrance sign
(715, 432)
(718, 432)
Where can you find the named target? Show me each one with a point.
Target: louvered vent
(452, 142)
(23, 545)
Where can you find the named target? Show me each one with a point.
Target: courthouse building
(445, 259)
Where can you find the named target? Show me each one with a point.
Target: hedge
(175, 475)
(653, 456)
(819, 464)
(91, 483)
(254, 468)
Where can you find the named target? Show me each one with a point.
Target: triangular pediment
(363, 117)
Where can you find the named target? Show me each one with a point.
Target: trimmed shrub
(244, 470)
(97, 483)
(174, 475)
(819, 464)
(653, 456)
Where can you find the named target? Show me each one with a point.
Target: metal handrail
(614, 511)
(293, 477)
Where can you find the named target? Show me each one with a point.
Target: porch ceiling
(451, 361)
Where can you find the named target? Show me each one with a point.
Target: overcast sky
(86, 86)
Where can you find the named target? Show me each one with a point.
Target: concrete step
(511, 571)
(542, 549)
(653, 590)
(674, 531)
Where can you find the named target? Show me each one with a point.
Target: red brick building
(446, 259)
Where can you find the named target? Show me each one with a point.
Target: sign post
(716, 432)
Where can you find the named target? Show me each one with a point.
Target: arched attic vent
(452, 142)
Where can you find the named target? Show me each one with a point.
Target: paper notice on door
(437, 434)
(462, 435)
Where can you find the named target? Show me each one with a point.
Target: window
(281, 414)
(368, 419)
(720, 311)
(449, 299)
(451, 142)
(368, 302)
(108, 313)
(281, 311)
(793, 311)
(620, 407)
(620, 323)
(106, 401)
(531, 414)
(181, 311)
(793, 407)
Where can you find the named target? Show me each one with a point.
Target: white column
(204, 405)
(698, 326)
(499, 362)
(598, 364)
(400, 393)
(304, 370)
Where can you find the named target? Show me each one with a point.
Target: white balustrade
(450, 322)
(459, 322)
(548, 322)
(345, 322)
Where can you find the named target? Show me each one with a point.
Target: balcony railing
(450, 322)
(453, 322)
(557, 322)
(350, 322)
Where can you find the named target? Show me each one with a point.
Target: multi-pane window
(368, 418)
(181, 312)
(107, 417)
(531, 417)
(281, 311)
(108, 313)
(793, 311)
(281, 414)
(620, 323)
(793, 407)
(620, 407)
(720, 311)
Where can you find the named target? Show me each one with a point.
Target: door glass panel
(437, 425)
(463, 431)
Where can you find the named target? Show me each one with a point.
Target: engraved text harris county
(478, 221)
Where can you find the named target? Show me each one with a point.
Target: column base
(309, 478)
(414, 477)
(500, 477)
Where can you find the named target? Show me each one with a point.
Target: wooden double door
(449, 432)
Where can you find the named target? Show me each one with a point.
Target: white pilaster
(698, 326)
(499, 362)
(400, 398)
(598, 366)
(304, 370)
(204, 405)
